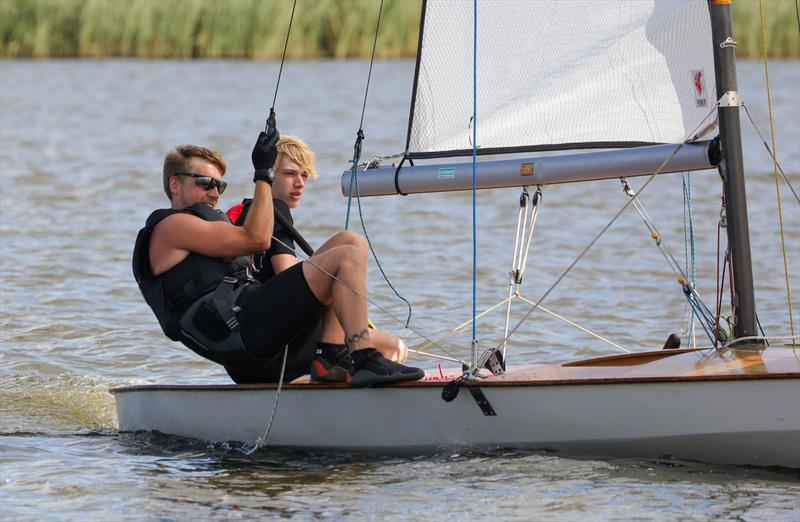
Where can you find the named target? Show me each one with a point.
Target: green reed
(257, 28)
(780, 28)
(205, 28)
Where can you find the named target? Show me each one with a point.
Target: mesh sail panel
(561, 74)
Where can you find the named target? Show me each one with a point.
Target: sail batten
(555, 75)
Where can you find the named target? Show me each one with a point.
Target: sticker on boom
(526, 169)
(447, 173)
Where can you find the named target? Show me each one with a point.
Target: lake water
(81, 146)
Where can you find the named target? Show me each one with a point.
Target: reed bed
(256, 28)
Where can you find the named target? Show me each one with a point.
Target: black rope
(354, 172)
(271, 119)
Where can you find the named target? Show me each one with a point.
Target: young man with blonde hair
(192, 266)
(320, 350)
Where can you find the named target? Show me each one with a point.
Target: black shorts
(282, 311)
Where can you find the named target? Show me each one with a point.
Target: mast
(731, 168)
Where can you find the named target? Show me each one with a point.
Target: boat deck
(657, 366)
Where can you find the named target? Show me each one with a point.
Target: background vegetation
(257, 28)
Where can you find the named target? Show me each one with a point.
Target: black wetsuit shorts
(282, 311)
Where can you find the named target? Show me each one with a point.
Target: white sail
(561, 74)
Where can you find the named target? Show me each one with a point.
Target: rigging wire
(699, 309)
(771, 154)
(604, 230)
(775, 165)
(271, 118)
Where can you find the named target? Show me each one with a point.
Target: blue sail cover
(560, 74)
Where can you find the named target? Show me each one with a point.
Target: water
(80, 156)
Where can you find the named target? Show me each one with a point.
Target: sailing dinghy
(641, 81)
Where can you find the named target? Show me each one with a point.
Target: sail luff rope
(775, 166)
(605, 228)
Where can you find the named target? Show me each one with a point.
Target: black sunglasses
(206, 182)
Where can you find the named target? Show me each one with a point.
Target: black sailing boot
(372, 368)
(332, 363)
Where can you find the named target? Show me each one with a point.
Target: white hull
(750, 420)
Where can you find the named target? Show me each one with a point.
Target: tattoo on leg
(350, 341)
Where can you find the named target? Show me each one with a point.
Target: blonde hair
(299, 152)
(176, 159)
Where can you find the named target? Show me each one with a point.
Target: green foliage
(205, 28)
(257, 28)
(780, 27)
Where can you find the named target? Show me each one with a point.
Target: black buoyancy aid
(171, 293)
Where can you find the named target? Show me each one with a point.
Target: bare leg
(332, 331)
(391, 346)
(344, 256)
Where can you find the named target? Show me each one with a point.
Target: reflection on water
(81, 144)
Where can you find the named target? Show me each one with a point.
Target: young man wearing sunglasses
(191, 265)
(321, 350)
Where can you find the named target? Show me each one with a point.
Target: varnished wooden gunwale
(686, 365)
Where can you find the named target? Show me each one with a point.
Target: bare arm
(179, 234)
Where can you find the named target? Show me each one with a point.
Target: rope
(260, 442)
(775, 165)
(474, 181)
(354, 174)
(797, 13)
(271, 119)
(764, 338)
(769, 151)
(375, 256)
(360, 133)
(307, 259)
(689, 247)
(603, 231)
(699, 309)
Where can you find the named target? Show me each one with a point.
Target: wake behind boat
(569, 84)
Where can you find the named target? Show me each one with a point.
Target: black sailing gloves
(264, 155)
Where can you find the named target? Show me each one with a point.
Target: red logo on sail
(699, 80)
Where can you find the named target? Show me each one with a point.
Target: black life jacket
(171, 293)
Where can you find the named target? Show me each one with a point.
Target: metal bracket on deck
(451, 389)
(730, 99)
(482, 401)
